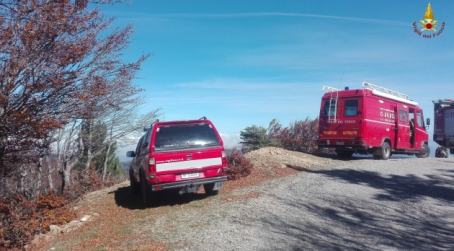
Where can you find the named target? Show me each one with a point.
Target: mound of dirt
(277, 157)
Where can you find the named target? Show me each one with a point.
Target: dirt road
(360, 204)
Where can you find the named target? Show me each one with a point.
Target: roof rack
(146, 128)
(444, 101)
(330, 89)
(388, 93)
(378, 88)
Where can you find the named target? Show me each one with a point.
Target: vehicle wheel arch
(388, 140)
(384, 151)
(426, 152)
(133, 174)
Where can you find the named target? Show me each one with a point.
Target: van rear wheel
(385, 151)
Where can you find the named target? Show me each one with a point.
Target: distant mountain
(125, 166)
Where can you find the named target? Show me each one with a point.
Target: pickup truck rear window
(185, 136)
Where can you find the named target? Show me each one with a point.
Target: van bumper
(348, 145)
(187, 183)
(354, 149)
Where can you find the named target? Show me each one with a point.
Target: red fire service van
(372, 120)
(181, 155)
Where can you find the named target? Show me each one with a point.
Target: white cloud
(268, 14)
(231, 140)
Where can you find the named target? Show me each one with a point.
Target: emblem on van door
(428, 24)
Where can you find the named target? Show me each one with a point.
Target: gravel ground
(360, 204)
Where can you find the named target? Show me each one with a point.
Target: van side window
(351, 107)
(403, 116)
(329, 109)
(420, 119)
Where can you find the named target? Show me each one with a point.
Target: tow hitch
(191, 188)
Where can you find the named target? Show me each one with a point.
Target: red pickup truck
(181, 155)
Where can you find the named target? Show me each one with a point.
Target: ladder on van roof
(378, 88)
(334, 97)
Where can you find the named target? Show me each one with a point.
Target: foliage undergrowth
(300, 135)
(21, 218)
(238, 165)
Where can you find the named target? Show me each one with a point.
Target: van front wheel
(424, 152)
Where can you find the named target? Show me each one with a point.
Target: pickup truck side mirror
(130, 154)
(427, 121)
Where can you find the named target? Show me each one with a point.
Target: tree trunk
(50, 170)
(39, 180)
(65, 175)
(22, 180)
(90, 144)
(106, 159)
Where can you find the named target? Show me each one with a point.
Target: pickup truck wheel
(385, 150)
(146, 191)
(135, 187)
(424, 152)
(209, 189)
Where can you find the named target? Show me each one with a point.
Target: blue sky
(243, 63)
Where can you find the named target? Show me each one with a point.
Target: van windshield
(185, 136)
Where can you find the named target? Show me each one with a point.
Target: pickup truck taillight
(224, 163)
(224, 160)
(151, 166)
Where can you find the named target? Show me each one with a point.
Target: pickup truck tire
(146, 191)
(209, 189)
(385, 151)
(424, 153)
(135, 187)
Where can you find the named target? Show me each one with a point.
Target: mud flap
(217, 186)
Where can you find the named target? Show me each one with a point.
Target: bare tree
(123, 123)
(54, 56)
(67, 150)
